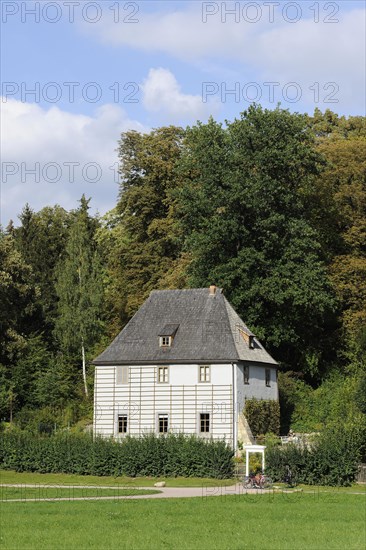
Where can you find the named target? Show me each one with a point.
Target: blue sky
(101, 68)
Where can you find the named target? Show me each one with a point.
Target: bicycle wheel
(267, 483)
(247, 482)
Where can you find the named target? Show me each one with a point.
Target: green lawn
(9, 476)
(267, 521)
(354, 488)
(40, 492)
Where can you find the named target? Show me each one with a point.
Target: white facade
(205, 400)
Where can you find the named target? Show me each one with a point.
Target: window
(204, 373)
(163, 423)
(163, 375)
(246, 374)
(268, 377)
(165, 341)
(166, 335)
(247, 336)
(122, 424)
(121, 376)
(204, 423)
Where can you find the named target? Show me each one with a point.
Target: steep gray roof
(209, 330)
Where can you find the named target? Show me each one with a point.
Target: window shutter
(246, 374)
(121, 376)
(124, 375)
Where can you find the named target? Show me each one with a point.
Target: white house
(185, 362)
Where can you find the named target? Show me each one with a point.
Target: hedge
(150, 455)
(332, 459)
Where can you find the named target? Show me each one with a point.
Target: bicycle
(253, 482)
(289, 478)
(266, 482)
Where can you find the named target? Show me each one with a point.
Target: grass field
(268, 521)
(9, 476)
(316, 518)
(51, 492)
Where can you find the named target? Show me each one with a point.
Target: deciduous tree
(243, 210)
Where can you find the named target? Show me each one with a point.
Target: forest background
(271, 207)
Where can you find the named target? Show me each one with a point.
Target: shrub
(297, 458)
(305, 409)
(332, 460)
(255, 463)
(49, 419)
(360, 394)
(263, 415)
(150, 455)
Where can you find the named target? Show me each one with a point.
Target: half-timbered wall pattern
(143, 399)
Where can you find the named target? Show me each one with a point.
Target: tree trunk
(11, 405)
(84, 367)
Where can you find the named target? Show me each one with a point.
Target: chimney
(212, 290)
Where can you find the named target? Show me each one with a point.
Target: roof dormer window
(247, 336)
(166, 335)
(165, 341)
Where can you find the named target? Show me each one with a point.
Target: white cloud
(162, 94)
(326, 57)
(181, 33)
(51, 156)
(39, 147)
(316, 52)
(184, 35)
(304, 52)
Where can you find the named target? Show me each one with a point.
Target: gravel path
(165, 492)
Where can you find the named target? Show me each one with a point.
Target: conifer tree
(80, 291)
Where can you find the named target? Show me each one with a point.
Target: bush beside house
(263, 416)
(332, 459)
